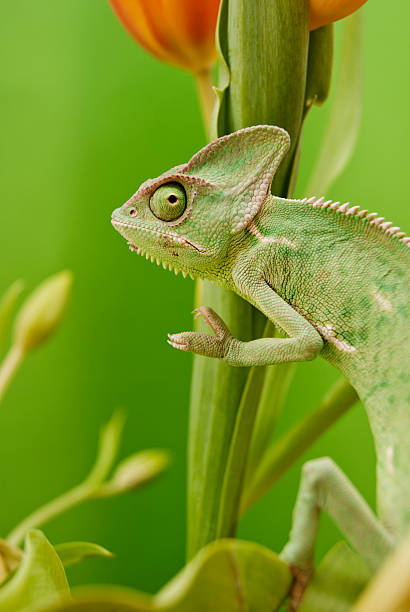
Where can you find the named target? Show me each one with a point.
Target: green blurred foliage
(85, 117)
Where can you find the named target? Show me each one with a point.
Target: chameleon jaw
(175, 238)
(166, 266)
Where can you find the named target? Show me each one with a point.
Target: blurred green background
(86, 115)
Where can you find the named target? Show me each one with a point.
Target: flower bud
(323, 12)
(179, 32)
(134, 471)
(41, 313)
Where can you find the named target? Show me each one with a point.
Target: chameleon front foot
(204, 344)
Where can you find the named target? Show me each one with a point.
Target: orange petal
(323, 12)
(180, 32)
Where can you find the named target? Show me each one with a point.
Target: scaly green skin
(334, 278)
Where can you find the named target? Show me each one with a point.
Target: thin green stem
(206, 95)
(107, 451)
(54, 508)
(10, 558)
(9, 367)
(276, 385)
(7, 303)
(294, 442)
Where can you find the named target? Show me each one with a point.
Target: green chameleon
(333, 277)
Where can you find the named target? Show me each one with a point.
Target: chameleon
(334, 278)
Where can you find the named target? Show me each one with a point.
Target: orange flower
(323, 12)
(180, 32)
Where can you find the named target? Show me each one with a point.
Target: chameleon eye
(168, 202)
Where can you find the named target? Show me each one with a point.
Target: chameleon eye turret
(168, 202)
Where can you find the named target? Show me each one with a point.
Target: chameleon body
(333, 277)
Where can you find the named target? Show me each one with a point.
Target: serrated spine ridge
(372, 218)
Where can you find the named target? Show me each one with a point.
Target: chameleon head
(189, 217)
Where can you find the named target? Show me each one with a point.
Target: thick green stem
(215, 396)
(264, 49)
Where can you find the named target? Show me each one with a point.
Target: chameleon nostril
(133, 212)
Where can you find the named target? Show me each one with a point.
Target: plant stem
(9, 367)
(7, 303)
(294, 442)
(110, 436)
(10, 558)
(263, 49)
(206, 95)
(44, 514)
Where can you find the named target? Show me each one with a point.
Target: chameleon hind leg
(325, 487)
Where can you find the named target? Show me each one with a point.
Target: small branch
(10, 558)
(110, 436)
(9, 367)
(294, 442)
(42, 515)
(275, 388)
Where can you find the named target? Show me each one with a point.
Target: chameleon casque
(333, 277)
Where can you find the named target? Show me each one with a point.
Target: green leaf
(226, 576)
(337, 582)
(320, 63)
(7, 303)
(75, 552)
(220, 113)
(40, 577)
(238, 453)
(343, 125)
(104, 599)
(276, 385)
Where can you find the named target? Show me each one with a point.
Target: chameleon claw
(177, 345)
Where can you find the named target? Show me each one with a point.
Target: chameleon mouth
(178, 240)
